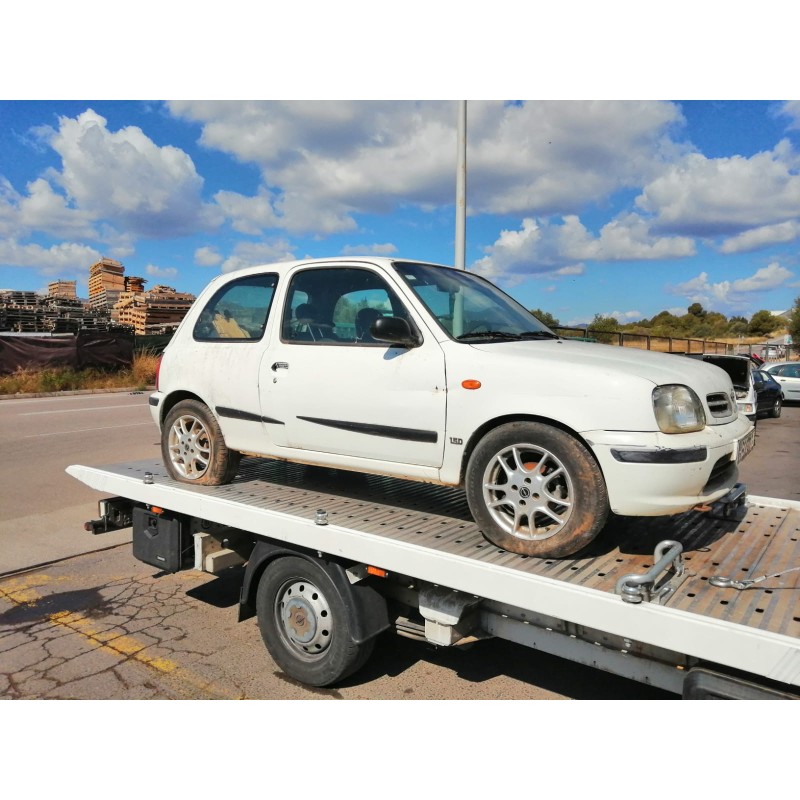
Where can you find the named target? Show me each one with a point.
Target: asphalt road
(81, 618)
(42, 509)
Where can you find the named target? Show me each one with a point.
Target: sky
(622, 208)
(597, 195)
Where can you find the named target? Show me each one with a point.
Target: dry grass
(61, 379)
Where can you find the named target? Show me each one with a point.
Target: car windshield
(468, 307)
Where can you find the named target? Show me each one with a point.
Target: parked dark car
(769, 395)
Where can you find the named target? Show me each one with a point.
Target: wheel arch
(492, 424)
(171, 400)
(366, 607)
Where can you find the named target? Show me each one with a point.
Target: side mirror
(394, 330)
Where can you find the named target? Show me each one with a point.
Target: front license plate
(745, 445)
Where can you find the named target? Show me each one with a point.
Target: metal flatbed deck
(426, 531)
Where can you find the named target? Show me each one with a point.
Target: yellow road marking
(25, 593)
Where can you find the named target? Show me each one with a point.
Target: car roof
(284, 266)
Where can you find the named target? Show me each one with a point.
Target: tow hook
(729, 583)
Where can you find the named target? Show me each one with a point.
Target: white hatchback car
(433, 374)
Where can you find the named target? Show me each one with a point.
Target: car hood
(658, 368)
(601, 369)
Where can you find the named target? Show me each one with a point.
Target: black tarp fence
(89, 350)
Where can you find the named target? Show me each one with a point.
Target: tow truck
(702, 604)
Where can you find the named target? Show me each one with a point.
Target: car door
(336, 390)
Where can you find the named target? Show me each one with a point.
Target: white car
(433, 374)
(787, 373)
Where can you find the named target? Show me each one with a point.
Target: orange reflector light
(471, 384)
(156, 510)
(377, 571)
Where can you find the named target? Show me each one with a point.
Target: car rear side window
(238, 311)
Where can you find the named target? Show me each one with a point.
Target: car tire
(193, 447)
(305, 625)
(536, 490)
(775, 411)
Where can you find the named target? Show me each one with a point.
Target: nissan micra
(433, 374)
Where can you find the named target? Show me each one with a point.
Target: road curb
(27, 395)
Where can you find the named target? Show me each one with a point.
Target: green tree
(696, 310)
(763, 323)
(602, 328)
(794, 325)
(546, 317)
(738, 326)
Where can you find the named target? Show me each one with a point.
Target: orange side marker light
(377, 571)
(471, 384)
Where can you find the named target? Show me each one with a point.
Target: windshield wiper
(489, 335)
(539, 335)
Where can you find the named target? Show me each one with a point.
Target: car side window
(238, 311)
(337, 305)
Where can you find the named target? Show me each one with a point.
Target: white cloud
(369, 250)
(161, 272)
(125, 177)
(623, 316)
(791, 109)
(41, 210)
(62, 260)
(764, 236)
(707, 197)
(572, 269)
(251, 254)
(733, 293)
(44, 210)
(329, 160)
(541, 246)
(207, 257)
(249, 215)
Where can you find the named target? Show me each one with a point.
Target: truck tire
(193, 448)
(305, 625)
(535, 490)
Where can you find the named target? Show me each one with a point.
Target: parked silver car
(787, 373)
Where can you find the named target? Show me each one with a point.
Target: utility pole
(461, 187)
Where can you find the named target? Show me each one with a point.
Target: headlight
(678, 409)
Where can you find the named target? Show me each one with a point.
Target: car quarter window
(238, 311)
(337, 305)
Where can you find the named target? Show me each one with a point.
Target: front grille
(719, 404)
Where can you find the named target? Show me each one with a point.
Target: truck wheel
(193, 447)
(535, 490)
(305, 624)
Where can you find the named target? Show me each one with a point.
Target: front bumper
(651, 474)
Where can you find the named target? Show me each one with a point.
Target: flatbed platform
(427, 531)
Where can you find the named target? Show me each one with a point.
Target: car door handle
(279, 365)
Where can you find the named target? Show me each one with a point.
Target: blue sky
(577, 207)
